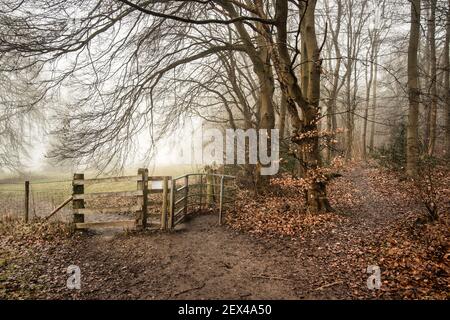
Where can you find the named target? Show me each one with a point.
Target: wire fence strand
(44, 197)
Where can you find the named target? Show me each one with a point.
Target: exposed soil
(208, 261)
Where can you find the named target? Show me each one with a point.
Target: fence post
(209, 190)
(201, 193)
(173, 190)
(77, 189)
(27, 200)
(142, 184)
(164, 204)
(221, 199)
(186, 194)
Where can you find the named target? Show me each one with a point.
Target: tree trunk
(374, 98)
(316, 194)
(330, 111)
(374, 102)
(425, 80)
(447, 84)
(267, 88)
(414, 94)
(369, 78)
(282, 122)
(434, 100)
(348, 101)
(332, 107)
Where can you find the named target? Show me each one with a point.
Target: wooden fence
(157, 202)
(191, 191)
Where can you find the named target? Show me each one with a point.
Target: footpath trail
(208, 261)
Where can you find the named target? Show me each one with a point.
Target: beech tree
(334, 65)
(431, 112)
(447, 82)
(413, 87)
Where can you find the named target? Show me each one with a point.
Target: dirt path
(207, 261)
(202, 261)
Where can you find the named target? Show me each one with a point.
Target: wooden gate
(199, 191)
(107, 206)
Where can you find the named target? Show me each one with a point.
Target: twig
(187, 290)
(270, 278)
(329, 285)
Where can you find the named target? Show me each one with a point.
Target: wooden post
(27, 200)
(209, 190)
(172, 203)
(164, 204)
(142, 184)
(62, 205)
(214, 189)
(201, 193)
(186, 194)
(221, 199)
(77, 188)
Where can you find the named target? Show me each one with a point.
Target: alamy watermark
(251, 146)
(374, 280)
(74, 279)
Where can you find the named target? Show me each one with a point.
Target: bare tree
(354, 30)
(334, 26)
(433, 78)
(21, 102)
(447, 82)
(414, 94)
(369, 79)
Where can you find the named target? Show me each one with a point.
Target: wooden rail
(105, 180)
(60, 207)
(109, 210)
(90, 196)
